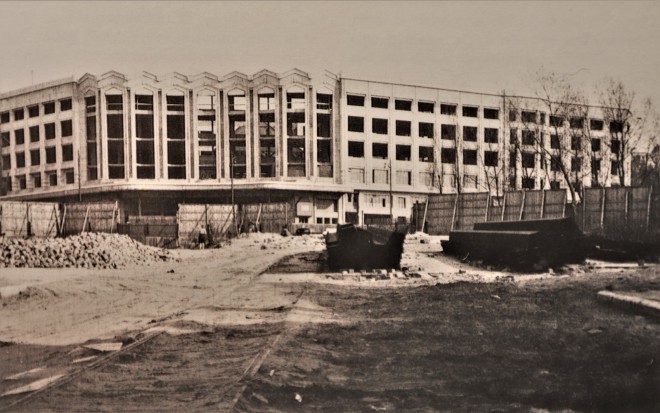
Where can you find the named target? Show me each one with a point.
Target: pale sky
(477, 46)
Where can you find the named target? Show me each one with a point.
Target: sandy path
(69, 306)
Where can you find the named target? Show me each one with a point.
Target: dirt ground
(261, 326)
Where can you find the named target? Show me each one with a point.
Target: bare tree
(630, 122)
(555, 131)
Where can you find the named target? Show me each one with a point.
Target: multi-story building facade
(337, 149)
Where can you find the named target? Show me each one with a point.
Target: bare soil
(296, 338)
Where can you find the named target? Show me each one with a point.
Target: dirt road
(225, 338)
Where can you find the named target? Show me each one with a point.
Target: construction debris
(87, 250)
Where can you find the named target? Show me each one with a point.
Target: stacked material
(87, 250)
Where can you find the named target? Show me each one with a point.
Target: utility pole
(233, 205)
(79, 174)
(391, 196)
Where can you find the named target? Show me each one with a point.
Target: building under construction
(335, 149)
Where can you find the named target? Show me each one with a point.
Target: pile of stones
(87, 250)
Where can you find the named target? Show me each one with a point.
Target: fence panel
(471, 209)
(554, 204)
(14, 219)
(44, 219)
(90, 217)
(512, 204)
(439, 213)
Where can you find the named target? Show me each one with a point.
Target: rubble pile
(87, 250)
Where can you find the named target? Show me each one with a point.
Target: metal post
(503, 206)
(522, 205)
(542, 203)
(453, 217)
(602, 210)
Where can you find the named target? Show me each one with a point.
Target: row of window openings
(403, 152)
(530, 138)
(528, 160)
(427, 107)
(382, 176)
(66, 130)
(425, 130)
(575, 122)
(21, 180)
(295, 101)
(35, 157)
(33, 111)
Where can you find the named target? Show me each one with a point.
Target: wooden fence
(620, 213)
(89, 217)
(448, 212)
(27, 219)
(214, 220)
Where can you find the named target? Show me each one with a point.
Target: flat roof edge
(38, 86)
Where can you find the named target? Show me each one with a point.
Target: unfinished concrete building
(337, 149)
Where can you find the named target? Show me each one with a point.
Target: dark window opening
(491, 135)
(448, 155)
(426, 130)
(528, 183)
(381, 103)
(490, 158)
(175, 103)
(324, 151)
(616, 147)
(402, 152)
(448, 132)
(114, 102)
(144, 102)
(616, 127)
(576, 143)
(528, 160)
(6, 139)
(323, 122)
(69, 176)
(36, 180)
(470, 133)
(379, 150)
(323, 101)
(33, 111)
(379, 126)
(20, 158)
(355, 124)
(556, 121)
(6, 162)
(144, 126)
(469, 157)
(35, 158)
(402, 104)
(4, 117)
(22, 182)
(52, 178)
(65, 104)
(555, 142)
(555, 163)
(528, 117)
(51, 155)
(596, 124)
(67, 153)
(49, 131)
(576, 164)
(577, 123)
(513, 158)
(595, 145)
(513, 115)
(513, 136)
(356, 149)
(542, 118)
(491, 113)
(49, 108)
(615, 168)
(354, 100)
(34, 133)
(90, 104)
(426, 154)
(19, 136)
(403, 128)
(528, 137)
(267, 125)
(115, 126)
(446, 109)
(19, 114)
(426, 107)
(67, 128)
(176, 128)
(470, 111)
